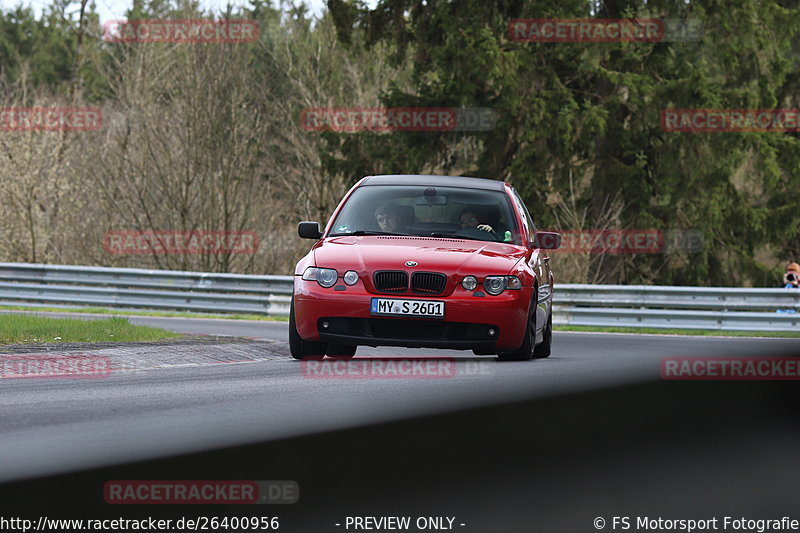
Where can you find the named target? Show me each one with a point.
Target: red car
(425, 261)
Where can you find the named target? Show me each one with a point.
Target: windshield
(428, 211)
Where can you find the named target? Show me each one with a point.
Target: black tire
(525, 351)
(341, 351)
(300, 348)
(542, 349)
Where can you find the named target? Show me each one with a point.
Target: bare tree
(195, 137)
(579, 266)
(35, 187)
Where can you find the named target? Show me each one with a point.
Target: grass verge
(696, 332)
(32, 329)
(595, 329)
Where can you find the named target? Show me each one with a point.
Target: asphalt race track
(529, 446)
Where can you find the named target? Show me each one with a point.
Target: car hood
(449, 256)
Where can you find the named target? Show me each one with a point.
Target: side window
(527, 220)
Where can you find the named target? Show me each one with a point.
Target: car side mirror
(546, 240)
(309, 230)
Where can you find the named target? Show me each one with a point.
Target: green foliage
(32, 329)
(589, 113)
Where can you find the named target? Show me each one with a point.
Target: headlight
(351, 277)
(326, 277)
(494, 285)
(469, 283)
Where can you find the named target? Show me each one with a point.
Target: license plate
(394, 307)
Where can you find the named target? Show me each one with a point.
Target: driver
(469, 219)
(388, 217)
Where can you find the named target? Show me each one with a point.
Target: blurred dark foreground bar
(673, 450)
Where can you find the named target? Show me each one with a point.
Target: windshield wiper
(363, 232)
(454, 236)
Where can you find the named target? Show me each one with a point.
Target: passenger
(469, 219)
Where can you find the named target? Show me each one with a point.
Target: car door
(539, 263)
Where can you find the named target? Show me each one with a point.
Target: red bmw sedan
(425, 261)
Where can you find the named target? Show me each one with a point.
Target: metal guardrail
(667, 297)
(721, 308)
(127, 288)
(654, 306)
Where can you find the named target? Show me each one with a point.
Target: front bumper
(342, 314)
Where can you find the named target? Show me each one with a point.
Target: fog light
(351, 277)
(492, 332)
(469, 283)
(325, 324)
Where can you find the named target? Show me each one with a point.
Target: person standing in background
(791, 279)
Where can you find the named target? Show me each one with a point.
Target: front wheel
(300, 348)
(524, 352)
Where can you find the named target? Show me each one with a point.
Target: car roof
(441, 181)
